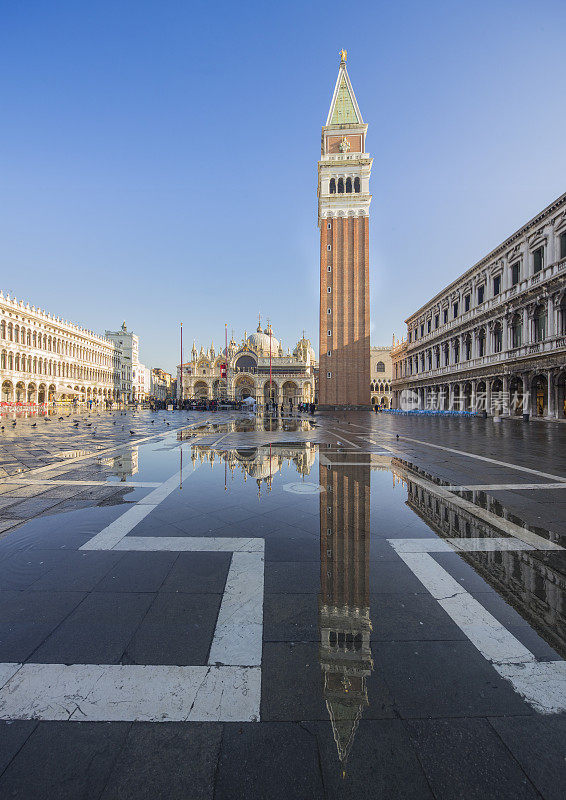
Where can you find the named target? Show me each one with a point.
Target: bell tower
(344, 171)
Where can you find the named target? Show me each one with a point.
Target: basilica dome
(260, 341)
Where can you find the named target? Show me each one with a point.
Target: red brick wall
(349, 320)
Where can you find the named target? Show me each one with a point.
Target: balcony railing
(467, 316)
(549, 345)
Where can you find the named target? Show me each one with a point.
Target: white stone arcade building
(44, 358)
(246, 371)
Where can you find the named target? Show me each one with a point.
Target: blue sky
(158, 159)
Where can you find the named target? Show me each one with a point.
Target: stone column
(526, 394)
(505, 324)
(505, 403)
(473, 399)
(551, 317)
(488, 395)
(551, 404)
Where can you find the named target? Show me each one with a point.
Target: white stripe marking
(484, 458)
(542, 685)
(472, 545)
(190, 544)
(505, 525)
(494, 487)
(111, 692)
(115, 532)
(238, 634)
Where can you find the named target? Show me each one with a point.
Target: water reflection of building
(533, 582)
(344, 620)
(259, 463)
(124, 464)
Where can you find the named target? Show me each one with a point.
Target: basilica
(256, 367)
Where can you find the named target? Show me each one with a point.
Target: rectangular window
(329, 289)
(515, 273)
(329, 268)
(467, 302)
(455, 309)
(445, 316)
(428, 327)
(538, 260)
(481, 291)
(422, 330)
(496, 285)
(329, 247)
(329, 311)
(436, 321)
(563, 245)
(328, 374)
(410, 335)
(330, 333)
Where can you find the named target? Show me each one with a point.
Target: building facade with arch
(45, 359)
(381, 373)
(495, 338)
(245, 372)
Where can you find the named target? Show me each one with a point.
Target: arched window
(562, 315)
(468, 347)
(340, 185)
(357, 185)
(481, 342)
(332, 186)
(539, 325)
(3, 329)
(3, 360)
(348, 186)
(497, 338)
(380, 366)
(10, 332)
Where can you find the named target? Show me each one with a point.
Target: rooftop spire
(344, 107)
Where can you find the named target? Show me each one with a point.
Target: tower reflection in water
(343, 614)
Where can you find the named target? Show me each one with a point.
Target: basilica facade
(255, 367)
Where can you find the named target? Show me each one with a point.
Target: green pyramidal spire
(344, 110)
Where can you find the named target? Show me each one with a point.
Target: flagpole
(226, 355)
(270, 378)
(181, 389)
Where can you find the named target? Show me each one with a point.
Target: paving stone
(465, 758)
(243, 772)
(372, 759)
(172, 760)
(449, 679)
(64, 761)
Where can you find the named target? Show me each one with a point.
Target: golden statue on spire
(343, 56)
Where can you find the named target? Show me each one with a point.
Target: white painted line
(496, 487)
(239, 629)
(115, 532)
(484, 458)
(472, 545)
(118, 484)
(189, 544)
(120, 446)
(114, 692)
(542, 685)
(505, 525)
(342, 439)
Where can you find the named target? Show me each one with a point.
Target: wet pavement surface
(220, 606)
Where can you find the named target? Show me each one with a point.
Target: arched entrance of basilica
(244, 387)
(200, 390)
